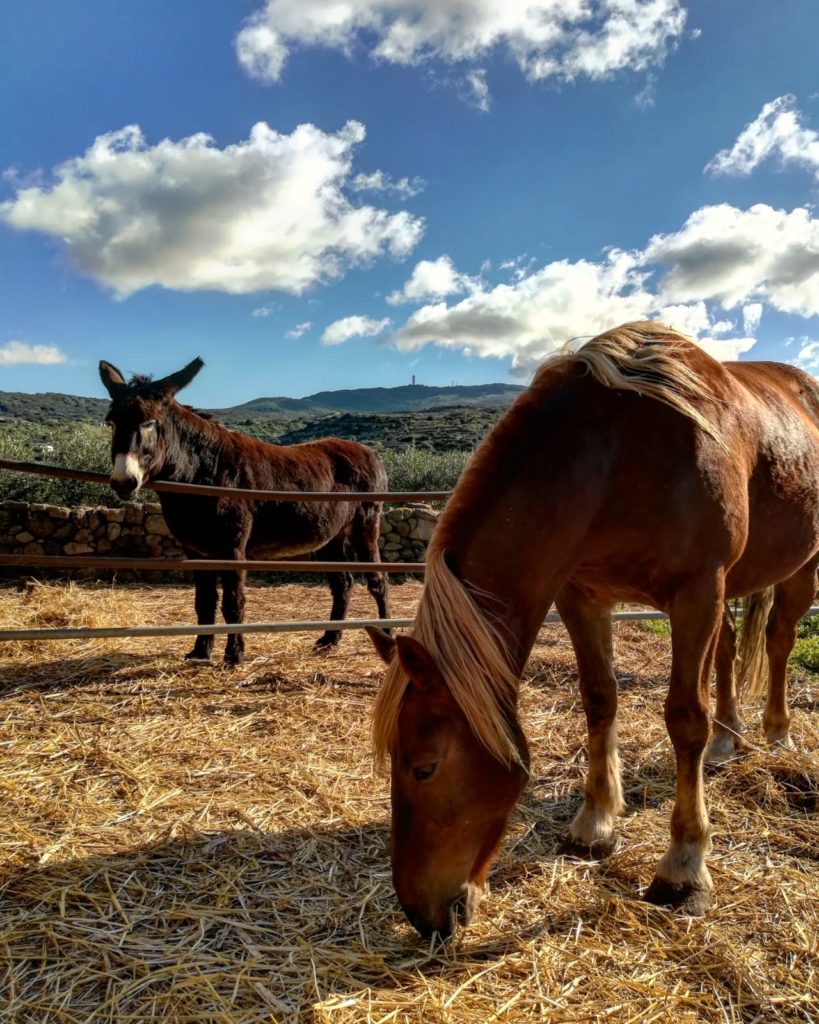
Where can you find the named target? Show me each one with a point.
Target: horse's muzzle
(458, 912)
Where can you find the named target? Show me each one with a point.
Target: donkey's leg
(682, 879)
(727, 726)
(233, 610)
(589, 625)
(792, 598)
(341, 585)
(364, 539)
(205, 601)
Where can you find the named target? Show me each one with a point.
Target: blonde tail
(752, 675)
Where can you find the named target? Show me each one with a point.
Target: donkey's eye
(424, 771)
(148, 425)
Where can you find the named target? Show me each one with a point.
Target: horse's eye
(424, 771)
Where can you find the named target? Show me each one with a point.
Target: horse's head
(451, 798)
(138, 416)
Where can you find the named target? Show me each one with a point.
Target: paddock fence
(229, 565)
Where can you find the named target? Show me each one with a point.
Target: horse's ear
(383, 643)
(176, 381)
(418, 663)
(112, 379)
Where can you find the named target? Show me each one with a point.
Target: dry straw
(183, 843)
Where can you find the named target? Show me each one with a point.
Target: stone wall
(140, 531)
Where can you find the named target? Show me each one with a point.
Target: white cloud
(378, 181)
(268, 212)
(546, 38)
(15, 353)
(751, 315)
(537, 313)
(808, 356)
(353, 327)
(431, 279)
(734, 256)
(776, 132)
(264, 311)
(478, 90)
(299, 329)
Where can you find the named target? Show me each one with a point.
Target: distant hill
(409, 398)
(51, 405)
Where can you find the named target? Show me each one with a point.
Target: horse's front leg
(589, 625)
(682, 880)
(233, 610)
(205, 601)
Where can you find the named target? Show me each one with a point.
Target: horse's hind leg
(364, 539)
(589, 625)
(682, 880)
(205, 601)
(341, 585)
(233, 610)
(792, 598)
(727, 726)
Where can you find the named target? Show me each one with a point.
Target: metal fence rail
(106, 632)
(201, 564)
(204, 490)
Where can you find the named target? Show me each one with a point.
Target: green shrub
(82, 446)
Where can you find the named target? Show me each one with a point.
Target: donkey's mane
(646, 356)
(469, 650)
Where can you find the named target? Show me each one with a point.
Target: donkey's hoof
(326, 641)
(195, 655)
(234, 658)
(598, 850)
(693, 901)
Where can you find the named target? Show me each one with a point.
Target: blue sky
(465, 193)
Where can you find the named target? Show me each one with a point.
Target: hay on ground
(180, 842)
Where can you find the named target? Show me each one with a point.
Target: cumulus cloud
(808, 355)
(378, 181)
(735, 256)
(431, 279)
(268, 212)
(353, 327)
(751, 315)
(531, 317)
(299, 329)
(546, 38)
(777, 132)
(15, 353)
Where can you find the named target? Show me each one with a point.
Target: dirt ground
(184, 842)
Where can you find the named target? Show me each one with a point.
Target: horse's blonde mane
(645, 356)
(471, 656)
(468, 649)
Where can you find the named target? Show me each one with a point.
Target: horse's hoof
(780, 740)
(722, 748)
(693, 901)
(600, 849)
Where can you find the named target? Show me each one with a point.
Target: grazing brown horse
(637, 469)
(156, 438)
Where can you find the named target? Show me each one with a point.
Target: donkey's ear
(418, 663)
(383, 643)
(112, 379)
(176, 381)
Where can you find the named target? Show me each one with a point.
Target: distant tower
(413, 379)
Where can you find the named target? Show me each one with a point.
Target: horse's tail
(753, 659)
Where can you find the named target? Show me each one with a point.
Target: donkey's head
(138, 417)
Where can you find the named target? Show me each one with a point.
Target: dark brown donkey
(636, 469)
(156, 438)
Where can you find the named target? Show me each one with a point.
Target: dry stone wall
(140, 531)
